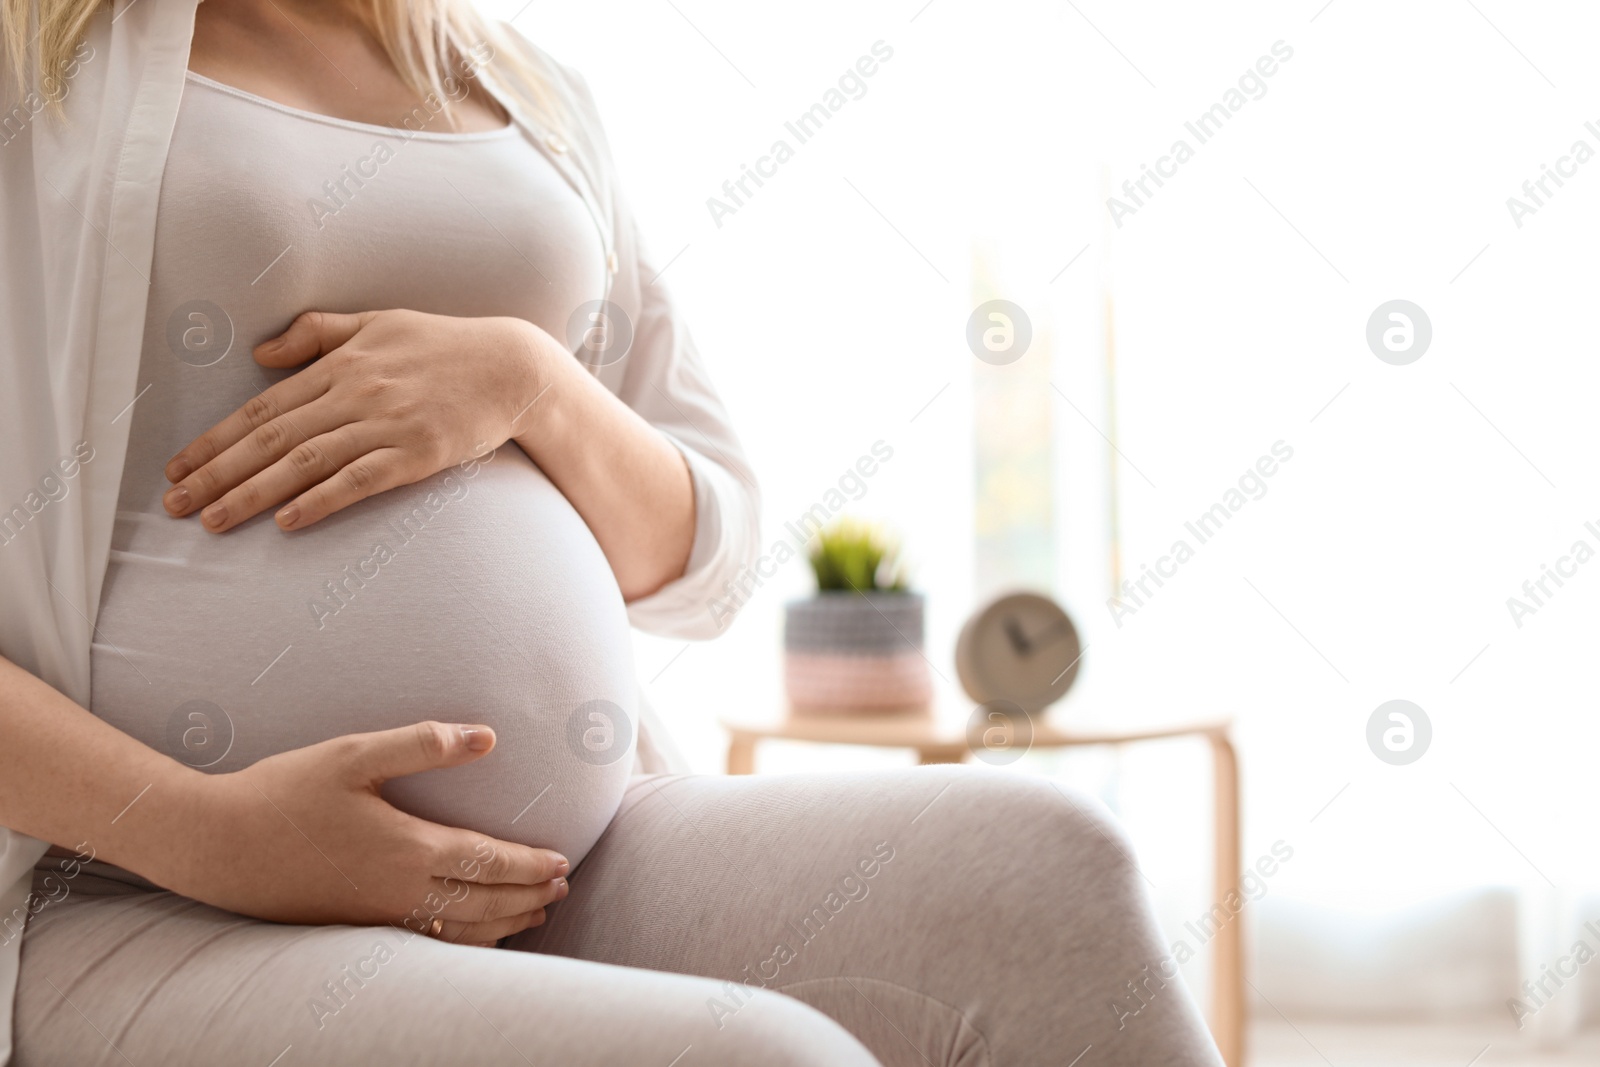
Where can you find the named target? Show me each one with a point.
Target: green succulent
(851, 554)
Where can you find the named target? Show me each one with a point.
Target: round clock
(1022, 648)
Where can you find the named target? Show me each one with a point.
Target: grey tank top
(477, 595)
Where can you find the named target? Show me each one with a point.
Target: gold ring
(436, 928)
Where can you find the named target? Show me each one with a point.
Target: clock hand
(1061, 627)
(1019, 640)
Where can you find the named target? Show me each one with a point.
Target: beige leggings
(935, 916)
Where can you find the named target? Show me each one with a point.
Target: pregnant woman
(346, 430)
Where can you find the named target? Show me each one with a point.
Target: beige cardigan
(77, 226)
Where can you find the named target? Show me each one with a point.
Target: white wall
(1377, 165)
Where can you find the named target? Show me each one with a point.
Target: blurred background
(1177, 336)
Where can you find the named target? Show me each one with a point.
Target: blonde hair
(426, 40)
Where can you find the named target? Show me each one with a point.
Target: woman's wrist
(538, 421)
(159, 834)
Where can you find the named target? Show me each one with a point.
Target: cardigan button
(555, 144)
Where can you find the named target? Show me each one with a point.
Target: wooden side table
(943, 742)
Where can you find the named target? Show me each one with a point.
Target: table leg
(741, 754)
(1227, 966)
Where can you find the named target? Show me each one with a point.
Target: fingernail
(177, 500)
(288, 516)
(215, 515)
(478, 740)
(562, 867)
(562, 888)
(178, 470)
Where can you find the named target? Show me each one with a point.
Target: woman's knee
(1034, 829)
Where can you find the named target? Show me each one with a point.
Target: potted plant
(856, 645)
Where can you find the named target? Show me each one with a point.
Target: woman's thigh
(949, 915)
(117, 975)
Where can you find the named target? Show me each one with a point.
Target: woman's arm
(303, 836)
(666, 382)
(70, 778)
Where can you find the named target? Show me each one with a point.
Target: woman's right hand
(306, 837)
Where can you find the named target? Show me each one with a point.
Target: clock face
(1021, 648)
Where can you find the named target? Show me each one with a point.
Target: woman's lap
(150, 978)
(941, 915)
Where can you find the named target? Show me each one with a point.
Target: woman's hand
(305, 837)
(400, 395)
(396, 397)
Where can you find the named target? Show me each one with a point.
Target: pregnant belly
(476, 596)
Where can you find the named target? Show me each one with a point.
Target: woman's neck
(321, 58)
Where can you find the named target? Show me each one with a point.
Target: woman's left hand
(396, 397)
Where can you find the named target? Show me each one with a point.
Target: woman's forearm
(74, 780)
(630, 484)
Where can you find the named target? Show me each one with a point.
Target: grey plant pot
(852, 623)
(855, 651)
